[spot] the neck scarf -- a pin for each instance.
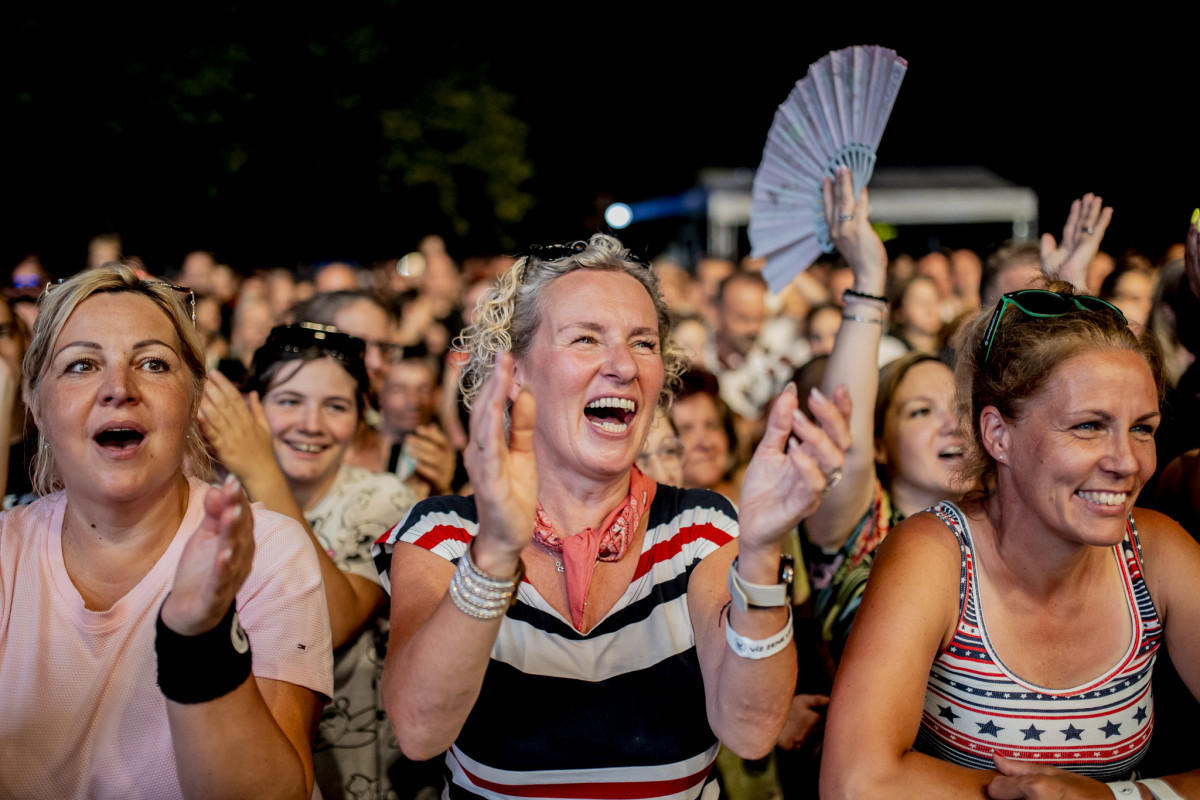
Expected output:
(581, 551)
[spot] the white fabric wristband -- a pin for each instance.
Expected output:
(1160, 789)
(758, 648)
(1123, 790)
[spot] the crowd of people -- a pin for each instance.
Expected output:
(565, 524)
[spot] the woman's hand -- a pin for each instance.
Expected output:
(1085, 227)
(851, 232)
(503, 471)
(1022, 779)
(790, 469)
(236, 428)
(214, 564)
(805, 719)
(435, 459)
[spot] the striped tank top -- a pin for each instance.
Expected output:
(617, 712)
(976, 707)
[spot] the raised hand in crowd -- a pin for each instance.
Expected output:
(1069, 259)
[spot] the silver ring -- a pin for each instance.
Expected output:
(1089, 230)
(832, 479)
(846, 218)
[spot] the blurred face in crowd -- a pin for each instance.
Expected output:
(370, 322)
(936, 267)
(692, 337)
(409, 397)
(822, 331)
(1134, 295)
(705, 443)
(662, 454)
(840, 280)
(740, 316)
(920, 309)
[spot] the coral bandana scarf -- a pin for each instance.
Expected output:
(584, 549)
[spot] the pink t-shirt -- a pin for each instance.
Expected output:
(81, 714)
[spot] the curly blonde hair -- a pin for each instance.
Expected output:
(55, 307)
(1025, 353)
(508, 316)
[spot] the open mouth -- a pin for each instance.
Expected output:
(611, 414)
(119, 438)
(1104, 498)
(951, 453)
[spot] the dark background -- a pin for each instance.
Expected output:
(277, 137)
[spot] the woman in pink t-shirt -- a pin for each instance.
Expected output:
(130, 572)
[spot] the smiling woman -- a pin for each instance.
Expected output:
(1017, 631)
(135, 571)
(571, 576)
(288, 451)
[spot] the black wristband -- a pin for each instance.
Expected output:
(196, 669)
(864, 296)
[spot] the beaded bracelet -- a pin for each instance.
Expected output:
(480, 595)
(196, 669)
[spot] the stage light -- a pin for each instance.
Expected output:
(618, 216)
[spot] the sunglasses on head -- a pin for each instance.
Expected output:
(304, 336)
(1043, 304)
(553, 252)
(183, 291)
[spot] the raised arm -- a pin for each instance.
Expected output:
(241, 438)
(748, 697)
(254, 741)
(907, 616)
(854, 360)
(438, 653)
(1070, 258)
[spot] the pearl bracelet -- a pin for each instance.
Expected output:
(744, 647)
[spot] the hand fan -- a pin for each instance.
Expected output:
(834, 116)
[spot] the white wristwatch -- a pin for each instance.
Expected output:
(757, 595)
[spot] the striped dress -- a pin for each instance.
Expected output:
(618, 712)
(975, 706)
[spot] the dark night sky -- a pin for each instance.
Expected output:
(631, 108)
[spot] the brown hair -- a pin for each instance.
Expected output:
(1025, 352)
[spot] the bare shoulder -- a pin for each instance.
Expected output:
(1170, 558)
(924, 542)
(913, 591)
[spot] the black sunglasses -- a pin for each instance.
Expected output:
(553, 252)
(1043, 304)
(301, 337)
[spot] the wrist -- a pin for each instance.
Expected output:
(759, 563)
(499, 562)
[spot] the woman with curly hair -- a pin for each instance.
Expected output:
(570, 625)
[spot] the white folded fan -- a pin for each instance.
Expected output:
(834, 117)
